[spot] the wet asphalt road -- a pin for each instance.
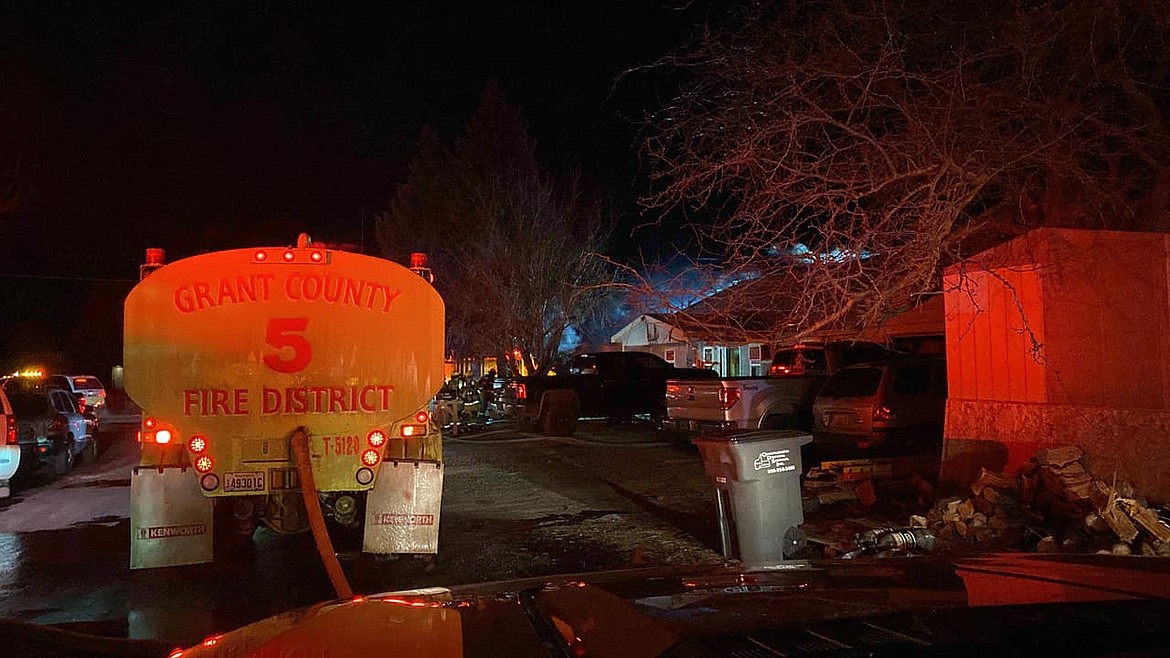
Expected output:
(513, 506)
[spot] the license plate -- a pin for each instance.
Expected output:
(252, 481)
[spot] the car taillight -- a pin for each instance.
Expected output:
(728, 397)
(884, 412)
(163, 436)
(10, 421)
(422, 417)
(521, 391)
(149, 423)
(81, 403)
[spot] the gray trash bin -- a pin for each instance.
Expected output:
(757, 480)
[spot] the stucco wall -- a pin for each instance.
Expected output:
(1134, 444)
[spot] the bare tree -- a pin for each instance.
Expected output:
(514, 247)
(841, 152)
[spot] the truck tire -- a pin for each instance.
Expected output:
(90, 454)
(559, 414)
(779, 422)
(64, 461)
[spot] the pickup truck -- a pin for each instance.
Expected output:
(782, 399)
(613, 385)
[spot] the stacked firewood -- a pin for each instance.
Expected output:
(993, 515)
(1053, 504)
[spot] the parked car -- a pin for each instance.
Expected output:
(82, 426)
(42, 433)
(9, 445)
(782, 399)
(884, 408)
(87, 388)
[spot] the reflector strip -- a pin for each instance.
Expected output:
(364, 476)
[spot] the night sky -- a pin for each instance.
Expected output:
(211, 126)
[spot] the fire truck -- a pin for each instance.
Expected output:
(288, 386)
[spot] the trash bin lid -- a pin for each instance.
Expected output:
(750, 436)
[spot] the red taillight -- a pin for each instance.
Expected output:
(370, 457)
(81, 404)
(197, 444)
(521, 391)
(422, 417)
(149, 423)
(673, 389)
(261, 255)
(728, 397)
(10, 421)
(204, 464)
(163, 436)
(316, 256)
(884, 413)
(289, 256)
(376, 438)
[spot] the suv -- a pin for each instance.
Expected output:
(86, 388)
(9, 445)
(52, 413)
(884, 408)
(42, 432)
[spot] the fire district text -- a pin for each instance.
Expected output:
(292, 400)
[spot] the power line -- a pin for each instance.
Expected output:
(51, 277)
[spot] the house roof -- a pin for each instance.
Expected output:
(754, 310)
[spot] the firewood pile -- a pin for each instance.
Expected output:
(1054, 503)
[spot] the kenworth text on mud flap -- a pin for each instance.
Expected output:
(285, 386)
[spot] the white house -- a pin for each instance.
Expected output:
(666, 336)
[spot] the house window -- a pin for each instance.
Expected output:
(669, 356)
(754, 353)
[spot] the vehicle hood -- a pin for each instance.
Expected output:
(792, 608)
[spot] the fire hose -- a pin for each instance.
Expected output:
(300, 446)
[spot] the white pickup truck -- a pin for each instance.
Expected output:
(782, 399)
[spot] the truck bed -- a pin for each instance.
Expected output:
(741, 402)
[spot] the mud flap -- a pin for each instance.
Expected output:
(402, 510)
(170, 519)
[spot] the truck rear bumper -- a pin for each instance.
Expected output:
(687, 425)
(887, 442)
